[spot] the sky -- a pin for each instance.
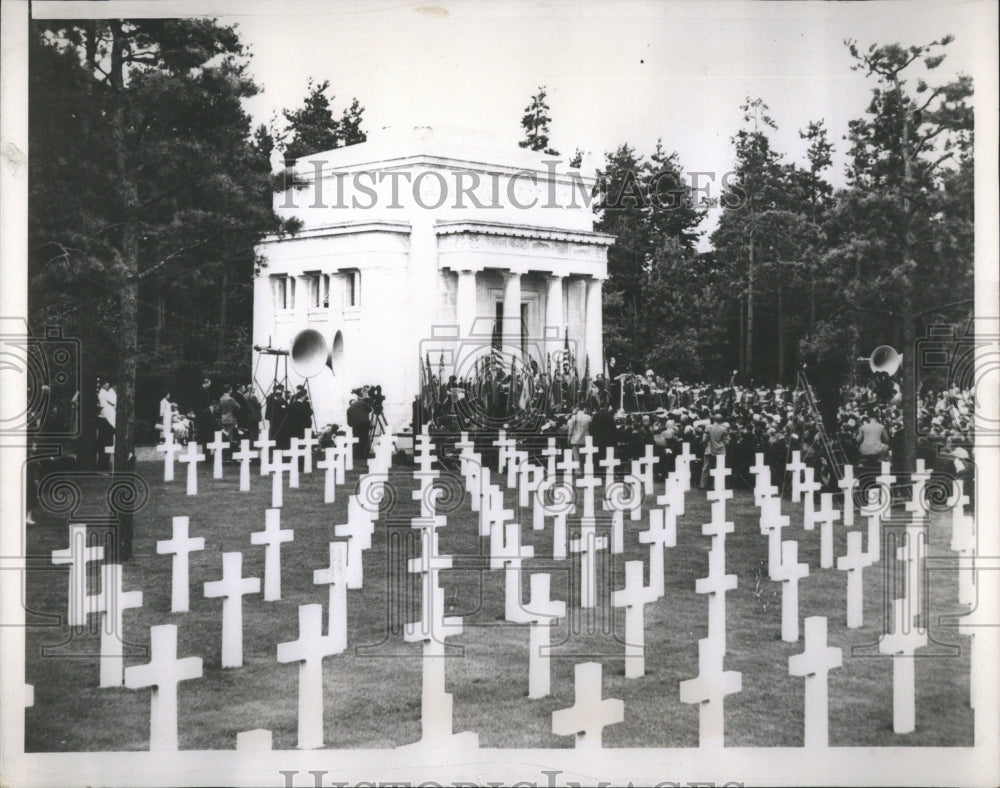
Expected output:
(615, 72)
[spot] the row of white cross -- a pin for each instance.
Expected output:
(337, 459)
(590, 713)
(165, 670)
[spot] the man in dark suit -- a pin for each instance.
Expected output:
(358, 419)
(276, 414)
(603, 429)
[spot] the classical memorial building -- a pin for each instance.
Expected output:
(422, 245)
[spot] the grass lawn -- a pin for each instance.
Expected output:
(372, 691)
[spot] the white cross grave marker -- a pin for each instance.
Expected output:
(264, 445)
(271, 537)
(826, 517)
(541, 613)
(78, 555)
(358, 531)
(558, 510)
(232, 588)
(771, 523)
(293, 454)
(762, 480)
(646, 463)
(920, 477)
(244, 457)
(634, 598)
(589, 714)
(683, 466)
(329, 465)
(435, 704)
(609, 463)
(217, 447)
(192, 458)
(180, 545)
(673, 494)
(848, 484)
(567, 466)
(115, 602)
(308, 443)
(854, 563)
(815, 663)
(278, 469)
(163, 673)
(789, 574)
(309, 650)
(588, 484)
(507, 553)
(874, 545)
(550, 454)
(716, 585)
(809, 487)
(587, 545)
(795, 467)
(335, 576)
(912, 554)
(529, 477)
(349, 440)
(587, 451)
(901, 643)
(170, 450)
(719, 474)
(709, 690)
(662, 533)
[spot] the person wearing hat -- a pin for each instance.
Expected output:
(275, 411)
(299, 413)
(358, 419)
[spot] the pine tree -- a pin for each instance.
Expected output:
(145, 188)
(535, 123)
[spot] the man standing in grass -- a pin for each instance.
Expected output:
(716, 437)
(578, 428)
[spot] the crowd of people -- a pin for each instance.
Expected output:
(236, 412)
(739, 421)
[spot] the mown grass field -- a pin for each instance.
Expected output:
(372, 691)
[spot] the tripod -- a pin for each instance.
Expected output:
(377, 425)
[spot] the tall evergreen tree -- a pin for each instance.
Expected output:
(313, 128)
(535, 123)
(144, 183)
(904, 225)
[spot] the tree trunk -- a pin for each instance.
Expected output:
(749, 351)
(781, 333)
(909, 391)
(742, 350)
(128, 295)
(158, 330)
(812, 303)
(909, 328)
(223, 304)
(86, 446)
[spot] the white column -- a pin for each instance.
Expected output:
(594, 334)
(554, 319)
(465, 316)
(512, 313)
(465, 302)
(299, 290)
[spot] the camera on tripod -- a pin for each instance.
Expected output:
(376, 399)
